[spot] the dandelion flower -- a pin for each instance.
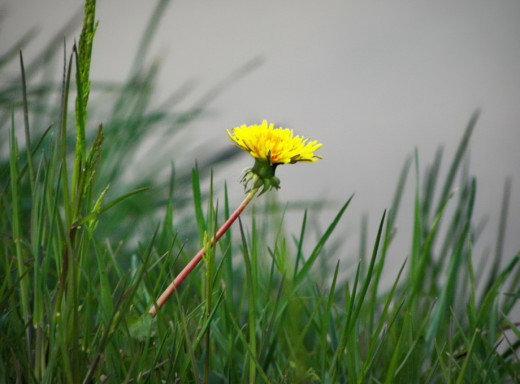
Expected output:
(271, 147)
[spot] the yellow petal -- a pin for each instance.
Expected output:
(277, 145)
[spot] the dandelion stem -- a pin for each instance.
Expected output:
(198, 257)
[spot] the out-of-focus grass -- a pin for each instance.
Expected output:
(84, 254)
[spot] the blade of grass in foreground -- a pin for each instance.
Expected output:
(303, 273)
(17, 234)
(390, 232)
(461, 150)
(120, 310)
(500, 236)
(355, 303)
(197, 201)
(251, 289)
(447, 295)
(327, 318)
(376, 336)
(26, 124)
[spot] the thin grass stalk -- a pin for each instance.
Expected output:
(210, 262)
(62, 160)
(417, 225)
(500, 235)
(447, 295)
(317, 249)
(370, 271)
(28, 145)
(145, 42)
(350, 299)
(395, 359)
(461, 150)
(299, 254)
(39, 274)
(327, 320)
(249, 351)
(251, 310)
(383, 322)
(266, 351)
(430, 182)
(14, 163)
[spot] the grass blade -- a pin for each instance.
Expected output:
(316, 251)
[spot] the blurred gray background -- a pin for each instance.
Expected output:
(371, 80)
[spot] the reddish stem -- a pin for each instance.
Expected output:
(198, 257)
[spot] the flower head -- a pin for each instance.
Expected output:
(271, 147)
(276, 145)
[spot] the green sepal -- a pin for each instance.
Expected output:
(261, 176)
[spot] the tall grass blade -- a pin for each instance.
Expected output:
(17, 234)
(197, 201)
(316, 251)
(28, 145)
(461, 150)
(252, 296)
(499, 249)
(447, 296)
(146, 38)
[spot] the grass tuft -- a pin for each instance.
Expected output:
(84, 253)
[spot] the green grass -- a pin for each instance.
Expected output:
(84, 254)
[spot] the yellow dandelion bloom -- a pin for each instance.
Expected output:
(271, 147)
(276, 145)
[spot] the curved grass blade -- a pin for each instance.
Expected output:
(316, 251)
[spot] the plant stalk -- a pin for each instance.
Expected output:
(198, 257)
